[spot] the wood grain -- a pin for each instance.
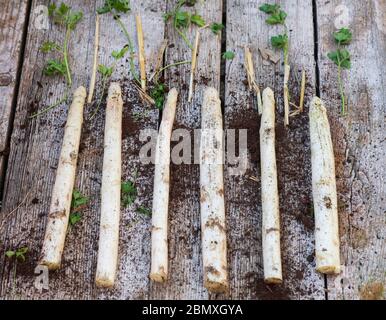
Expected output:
(359, 142)
(13, 18)
(34, 153)
(186, 274)
(246, 26)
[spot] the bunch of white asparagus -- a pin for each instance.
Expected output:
(323, 186)
(213, 228)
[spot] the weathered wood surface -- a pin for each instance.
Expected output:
(12, 21)
(246, 26)
(185, 269)
(359, 140)
(359, 145)
(35, 148)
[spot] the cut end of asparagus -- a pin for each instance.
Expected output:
(159, 276)
(216, 287)
(273, 281)
(329, 270)
(51, 265)
(104, 282)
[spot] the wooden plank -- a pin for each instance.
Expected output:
(13, 17)
(186, 274)
(246, 26)
(359, 140)
(34, 153)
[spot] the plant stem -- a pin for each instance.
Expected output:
(184, 37)
(131, 48)
(50, 107)
(170, 66)
(180, 32)
(104, 82)
(65, 56)
(341, 89)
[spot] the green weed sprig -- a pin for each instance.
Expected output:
(78, 203)
(117, 7)
(278, 17)
(342, 58)
(66, 17)
(182, 20)
(106, 73)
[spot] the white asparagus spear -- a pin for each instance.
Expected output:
(324, 191)
(213, 231)
(64, 183)
(111, 190)
(159, 234)
(269, 192)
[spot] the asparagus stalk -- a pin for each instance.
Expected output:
(214, 243)
(159, 252)
(111, 190)
(324, 191)
(269, 192)
(64, 183)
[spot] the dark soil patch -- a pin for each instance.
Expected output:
(250, 120)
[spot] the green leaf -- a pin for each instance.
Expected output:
(78, 200)
(158, 95)
(341, 58)
(18, 254)
(216, 27)
(280, 41)
(144, 211)
(228, 55)
(198, 20)
(10, 253)
(128, 193)
(270, 8)
(54, 67)
(63, 10)
(51, 9)
(182, 19)
(75, 217)
(117, 55)
(73, 19)
(120, 6)
(21, 252)
(277, 18)
(105, 71)
(49, 46)
(64, 16)
(343, 36)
